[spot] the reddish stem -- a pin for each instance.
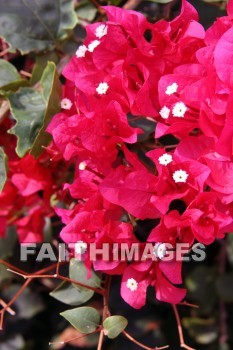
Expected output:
(180, 330)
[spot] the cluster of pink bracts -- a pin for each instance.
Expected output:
(182, 78)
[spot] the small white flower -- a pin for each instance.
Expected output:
(93, 45)
(165, 159)
(102, 88)
(171, 89)
(82, 166)
(160, 250)
(179, 110)
(80, 247)
(101, 31)
(66, 103)
(81, 52)
(180, 176)
(164, 112)
(132, 284)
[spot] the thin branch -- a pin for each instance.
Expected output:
(57, 276)
(74, 338)
(185, 303)
(17, 295)
(96, 290)
(105, 310)
(38, 274)
(59, 261)
(101, 339)
(180, 330)
(142, 345)
(8, 309)
(22, 288)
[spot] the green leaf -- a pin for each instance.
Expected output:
(8, 73)
(84, 319)
(114, 325)
(3, 168)
(10, 79)
(68, 294)
(40, 65)
(35, 25)
(86, 10)
(78, 272)
(68, 18)
(33, 110)
(27, 107)
(51, 92)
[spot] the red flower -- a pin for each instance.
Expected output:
(138, 276)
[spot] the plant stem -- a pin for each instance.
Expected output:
(180, 330)
(105, 309)
(142, 345)
(38, 274)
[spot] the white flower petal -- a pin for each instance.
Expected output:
(164, 112)
(102, 88)
(132, 284)
(171, 89)
(165, 159)
(180, 176)
(93, 45)
(160, 250)
(82, 166)
(101, 31)
(66, 103)
(81, 52)
(179, 110)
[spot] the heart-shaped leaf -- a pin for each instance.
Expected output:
(114, 325)
(78, 272)
(68, 294)
(84, 319)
